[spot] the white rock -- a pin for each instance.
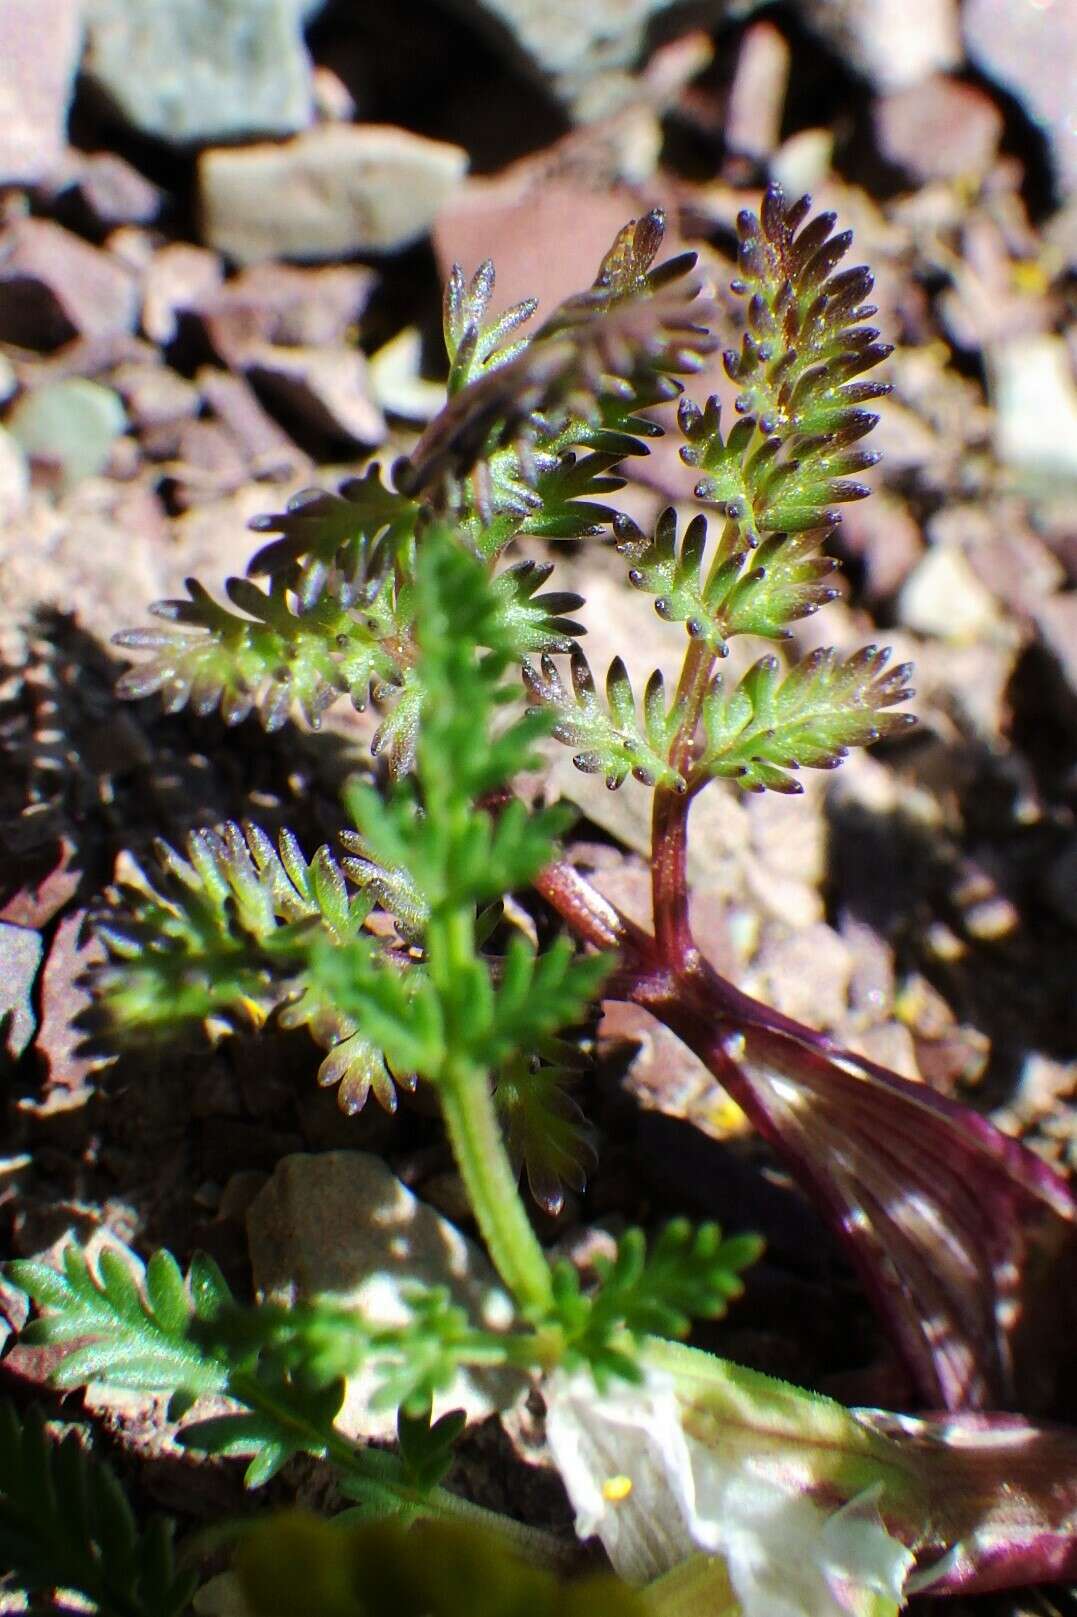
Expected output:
(341, 1222)
(396, 379)
(573, 39)
(39, 54)
(942, 596)
(892, 42)
(804, 160)
(14, 478)
(1035, 398)
(332, 191)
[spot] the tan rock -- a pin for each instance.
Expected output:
(180, 277)
(341, 1222)
(942, 596)
(332, 191)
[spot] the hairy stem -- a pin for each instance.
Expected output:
(669, 818)
(475, 1136)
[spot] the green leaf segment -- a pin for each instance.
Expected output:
(65, 1524)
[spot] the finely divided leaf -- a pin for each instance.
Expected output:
(125, 1333)
(766, 727)
(614, 740)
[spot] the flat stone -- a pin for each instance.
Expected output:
(891, 42)
(753, 122)
(1016, 566)
(885, 537)
(806, 975)
(39, 55)
(190, 71)
(340, 1222)
(872, 975)
(891, 1045)
(573, 40)
(804, 161)
(332, 191)
(269, 450)
(396, 381)
(155, 395)
(663, 1072)
(939, 129)
(327, 388)
(55, 286)
(505, 216)
(211, 462)
(281, 303)
(1031, 49)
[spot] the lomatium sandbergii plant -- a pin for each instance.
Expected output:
(712, 1488)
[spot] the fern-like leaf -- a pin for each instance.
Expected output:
(531, 622)
(767, 727)
(744, 591)
(272, 659)
(544, 1128)
(793, 455)
(223, 934)
(806, 339)
(600, 358)
(473, 343)
(427, 1448)
(355, 533)
(689, 1272)
(65, 1523)
(127, 1330)
(614, 741)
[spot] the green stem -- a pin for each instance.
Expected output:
(492, 1188)
(378, 1470)
(472, 1123)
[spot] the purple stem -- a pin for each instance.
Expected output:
(933, 1203)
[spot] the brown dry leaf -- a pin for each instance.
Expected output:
(72, 951)
(38, 885)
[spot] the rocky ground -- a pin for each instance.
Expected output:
(220, 255)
